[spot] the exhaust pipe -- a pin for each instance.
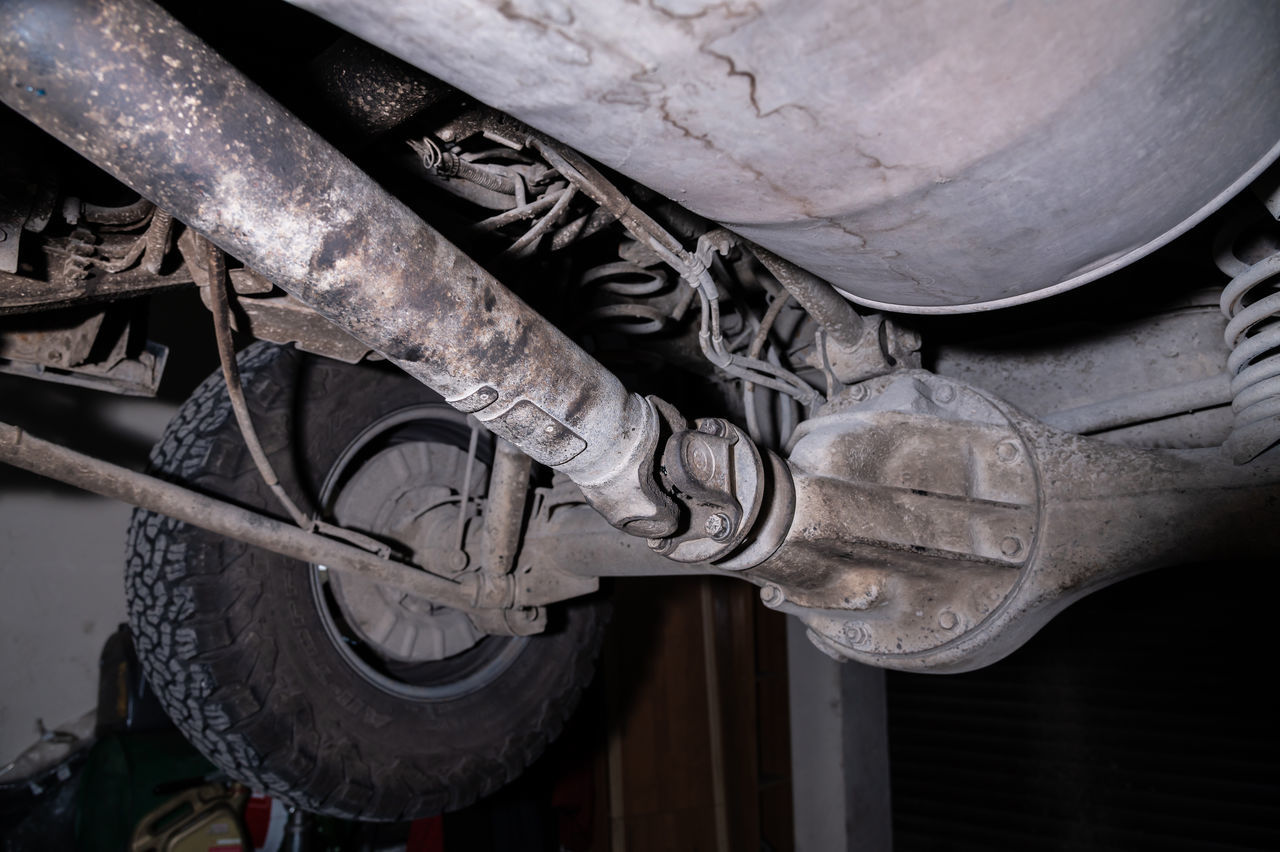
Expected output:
(127, 86)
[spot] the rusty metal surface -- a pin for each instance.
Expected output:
(283, 319)
(371, 91)
(937, 157)
(38, 456)
(938, 529)
(24, 294)
(17, 193)
(128, 87)
(97, 348)
(505, 507)
(136, 375)
(1130, 380)
(61, 340)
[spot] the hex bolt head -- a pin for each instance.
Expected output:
(948, 620)
(944, 394)
(1007, 451)
(718, 526)
(858, 393)
(712, 426)
(856, 634)
(771, 595)
(1011, 546)
(659, 545)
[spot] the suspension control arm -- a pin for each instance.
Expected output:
(65, 465)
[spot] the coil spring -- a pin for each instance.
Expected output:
(1251, 302)
(81, 248)
(631, 281)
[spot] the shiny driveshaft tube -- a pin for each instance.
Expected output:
(132, 90)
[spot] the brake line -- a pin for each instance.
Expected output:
(215, 266)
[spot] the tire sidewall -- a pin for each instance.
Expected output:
(265, 693)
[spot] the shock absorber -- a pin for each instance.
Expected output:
(1251, 302)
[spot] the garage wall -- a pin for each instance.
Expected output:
(62, 555)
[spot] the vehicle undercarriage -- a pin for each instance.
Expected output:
(606, 383)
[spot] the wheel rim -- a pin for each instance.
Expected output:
(347, 625)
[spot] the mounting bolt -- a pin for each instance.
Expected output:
(659, 545)
(1011, 546)
(858, 393)
(712, 426)
(1007, 451)
(718, 526)
(948, 620)
(856, 634)
(771, 595)
(944, 394)
(909, 339)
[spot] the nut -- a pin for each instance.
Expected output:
(660, 545)
(771, 595)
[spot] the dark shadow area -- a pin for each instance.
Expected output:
(1141, 718)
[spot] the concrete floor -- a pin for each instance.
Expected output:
(62, 555)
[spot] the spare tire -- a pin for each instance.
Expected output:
(297, 686)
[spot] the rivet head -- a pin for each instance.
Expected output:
(1010, 546)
